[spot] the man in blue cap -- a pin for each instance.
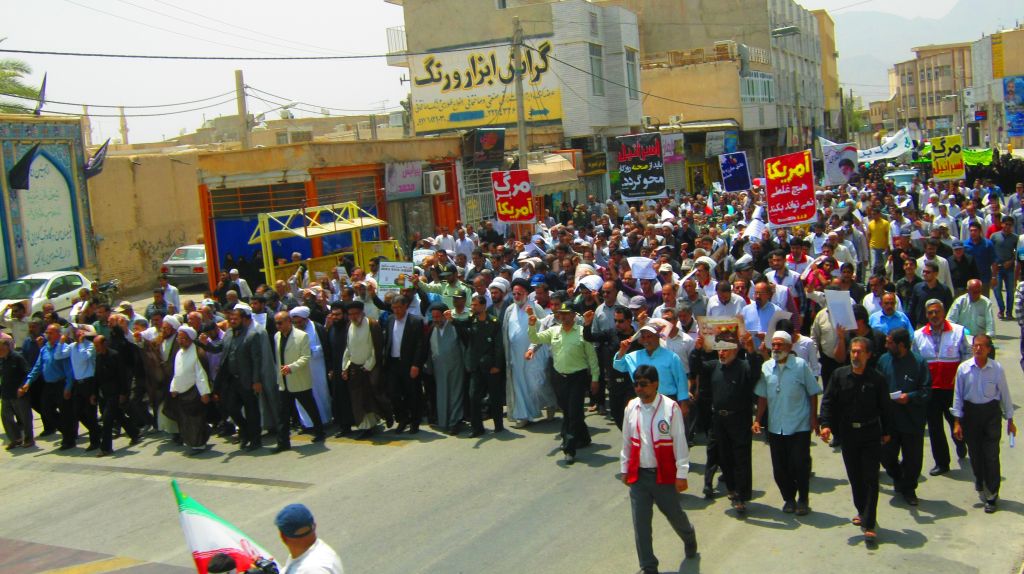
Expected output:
(306, 553)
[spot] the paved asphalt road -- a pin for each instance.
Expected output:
(497, 504)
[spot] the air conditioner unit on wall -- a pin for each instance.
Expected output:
(675, 119)
(434, 183)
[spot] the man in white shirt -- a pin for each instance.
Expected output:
(171, 295)
(464, 245)
(655, 472)
(445, 240)
(244, 291)
(306, 553)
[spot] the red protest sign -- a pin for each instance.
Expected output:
(790, 189)
(513, 196)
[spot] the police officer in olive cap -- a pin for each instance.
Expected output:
(306, 553)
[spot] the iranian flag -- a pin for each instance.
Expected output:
(709, 209)
(208, 535)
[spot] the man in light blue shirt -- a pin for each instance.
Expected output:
(671, 371)
(788, 391)
(80, 401)
(980, 399)
(757, 315)
(57, 382)
(888, 318)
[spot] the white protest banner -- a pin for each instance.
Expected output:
(896, 146)
(840, 308)
(394, 274)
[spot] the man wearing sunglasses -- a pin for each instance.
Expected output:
(927, 290)
(654, 461)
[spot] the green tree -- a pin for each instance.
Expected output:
(12, 75)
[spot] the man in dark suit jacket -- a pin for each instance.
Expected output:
(404, 356)
(240, 378)
(337, 339)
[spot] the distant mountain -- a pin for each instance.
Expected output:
(869, 43)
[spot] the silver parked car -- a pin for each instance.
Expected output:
(187, 265)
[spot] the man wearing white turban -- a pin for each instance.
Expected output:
(318, 367)
(189, 393)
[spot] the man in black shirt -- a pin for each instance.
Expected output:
(620, 385)
(926, 291)
(730, 380)
(905, 285)
(855, 404)
(961, 268)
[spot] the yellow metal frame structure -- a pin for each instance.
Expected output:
(311, 223)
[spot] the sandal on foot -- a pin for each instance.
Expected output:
(855, 520)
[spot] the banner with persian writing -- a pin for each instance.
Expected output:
(894, 147)
(474, 87)
(790, 189)
(513, 196)
(403, 180)
(641, 168)
(735, 173)
(947, 158)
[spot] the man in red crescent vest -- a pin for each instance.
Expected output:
(654, 462)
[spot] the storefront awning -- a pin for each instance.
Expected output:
(699, 127)
(552, 174)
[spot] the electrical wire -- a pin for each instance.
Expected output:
(258, 32)
(91, 115)
(155, 27)
(568, 86)
(49, 101)
(614, 83)
(247, 58)
(203, 26)
(290, 100)
(293, 105)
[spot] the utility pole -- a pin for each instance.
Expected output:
(124, 127)
(842, 118)
(243, 113)
(517, 63)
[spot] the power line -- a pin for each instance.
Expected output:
(155, 27)
(91, 115)
(294, 106)
(49, 101)
(290, 100)
(203, 26)
(247, 58)
(233, 25)
(614, 83)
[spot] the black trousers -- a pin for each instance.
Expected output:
(113, 415)
(791, 464)
(571, 390)
(938, 410)
(906, 472)
(732, 438)
(244, 407)
(982, 425)
(406, 393)
(304, 398)
(862, 450)
(79, 409)
(492, 386)
(620, 392)
(341, 403)
(51, 402)
(828, 366)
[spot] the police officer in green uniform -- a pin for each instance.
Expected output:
(485, 357)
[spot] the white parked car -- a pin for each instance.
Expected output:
(187, 265)
(58, 287)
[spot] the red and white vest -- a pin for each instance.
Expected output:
(944, 360)
(661, 436)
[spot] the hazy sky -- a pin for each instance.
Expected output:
(257, 28)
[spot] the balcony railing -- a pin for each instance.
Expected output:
(396, 40)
